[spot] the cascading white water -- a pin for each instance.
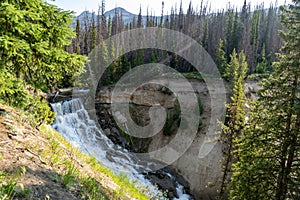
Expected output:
(74, 123)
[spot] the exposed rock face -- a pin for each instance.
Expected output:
(251, 89)
(66, 94)
(202, 173)
(146, 95)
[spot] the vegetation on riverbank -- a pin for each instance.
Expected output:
(40, 163)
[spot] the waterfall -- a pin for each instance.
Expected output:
(74, 123)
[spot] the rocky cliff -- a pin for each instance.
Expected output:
(202, 173)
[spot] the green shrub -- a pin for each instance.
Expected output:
(13, 92)
(39, 110)
(193, 75)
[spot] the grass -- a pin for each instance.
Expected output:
(10, 186)
(91, 190)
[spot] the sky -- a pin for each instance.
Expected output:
(153, 5)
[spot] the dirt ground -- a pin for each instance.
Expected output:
(21, 157)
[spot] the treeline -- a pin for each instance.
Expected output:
(262, 139)
(255, 32)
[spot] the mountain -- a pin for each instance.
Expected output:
(126, 16)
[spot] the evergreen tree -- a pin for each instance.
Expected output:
(239, 29)
(103, 60)
(262, 67)
(268, 37)
(125, 64)
(98, 24)
(180, 23)
(93, 37)
(109, 27)
(235, 115)
(205, 41)
(162, 14)
(78, 35)
(34, 36)
(254, 40)
(221, 61)
(104, 31)
(269, 148)
(112, 70)
(148, 20)
(236, 33)
(228, 33)
(234, 63)
(139, 20)
(86, 37)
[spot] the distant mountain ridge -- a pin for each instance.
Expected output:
(127, 17)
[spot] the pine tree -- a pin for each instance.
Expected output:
(269, 148)
(104, 31)
(221, 61)
(228, 32)
(34, 36)
(111, 71)
(148, 19)
(139, 20)
(126, 66)
(103, 60)
(109, 27)
(254, 40)
(229, 70)
(86, 37)
(235, 115)
(93, 36)
(78, 35)
(205, 41)
(269, 31)
(239, 29)
(180, 23)
(162, 14)
(236, 33)
(263, 66)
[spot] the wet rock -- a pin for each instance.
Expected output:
(163, 182)
(167, 179)
(183, 182)
(179, 178)
(171, 195)
(65, 94)
(115, 131)
(107, 132)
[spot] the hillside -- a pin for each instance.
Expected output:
(127, 17)
(41, 164)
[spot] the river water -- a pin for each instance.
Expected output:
(74, 123)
